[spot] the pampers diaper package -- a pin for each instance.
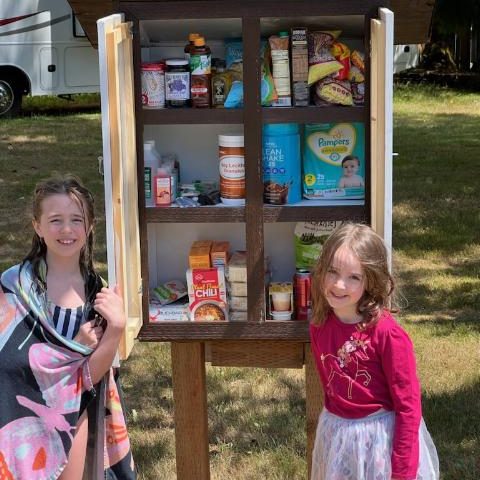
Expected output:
(334, 161)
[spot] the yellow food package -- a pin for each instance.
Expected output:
(358, 59)
(321, 62)
(355, 75)
(332, 90)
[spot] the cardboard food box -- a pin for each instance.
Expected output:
(199, 256)
(219, 253)
(207, 294)
(299, 55)
(172, 312)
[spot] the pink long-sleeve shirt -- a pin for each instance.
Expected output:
(363, 371)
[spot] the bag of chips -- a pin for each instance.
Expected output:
(358, 59)
(334, 91)
(342, 54)
(321, 62)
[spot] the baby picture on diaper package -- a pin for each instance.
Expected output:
(334, 161)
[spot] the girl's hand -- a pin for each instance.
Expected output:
(109, 304)
(89, 334)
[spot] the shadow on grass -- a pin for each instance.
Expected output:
(453, 419)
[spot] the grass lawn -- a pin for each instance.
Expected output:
(256, 417)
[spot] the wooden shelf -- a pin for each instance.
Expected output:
(195, 214)
(312, 114)
(184, 116)
(292, 330)
(354, 213)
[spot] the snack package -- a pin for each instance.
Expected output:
(358, 93)
(356, 75)
(342, 54)
(358, 59)
(333, 91)
(169, 292)
(321, 62)
(234, 62)
(309, 238)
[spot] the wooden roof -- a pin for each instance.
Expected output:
(412, 18)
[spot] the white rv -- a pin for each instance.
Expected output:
(43, 51)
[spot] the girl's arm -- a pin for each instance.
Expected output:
(109, 305)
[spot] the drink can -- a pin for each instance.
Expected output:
(302, 282)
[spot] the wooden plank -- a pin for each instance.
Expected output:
(190, 397)
(314, 402)
(295, 331)
(265, 354)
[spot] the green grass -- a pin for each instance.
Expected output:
(256, 417)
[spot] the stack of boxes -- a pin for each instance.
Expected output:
(237, 285)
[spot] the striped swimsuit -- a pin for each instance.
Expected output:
(67, 321)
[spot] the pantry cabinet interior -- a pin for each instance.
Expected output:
(161, 27)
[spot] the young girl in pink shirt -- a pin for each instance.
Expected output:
(371, 427)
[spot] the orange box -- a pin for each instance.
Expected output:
(219, 253)
(199, 257)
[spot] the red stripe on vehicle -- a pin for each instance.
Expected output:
(6, 21)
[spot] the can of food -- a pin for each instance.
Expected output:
(302, 282)
(153, 85)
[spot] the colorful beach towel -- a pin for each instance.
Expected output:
(45, 386)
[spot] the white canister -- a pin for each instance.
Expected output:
(153, 85)
(232, 169)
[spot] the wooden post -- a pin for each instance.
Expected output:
(191, 424)
(314, 402)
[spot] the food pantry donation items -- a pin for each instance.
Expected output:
(231, 169)
(234, 62)
(299, 56)
(280, 300)
(207, 294)
(169, 302)
(334, 161)
(309, 238)
(153, 85)
(281, 163)
(279, 47)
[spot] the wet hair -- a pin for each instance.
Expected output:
(372, 254)
(350, 157)
(65, 185)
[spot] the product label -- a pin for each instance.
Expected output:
(177, 86)
(232, 176)
(200, 64)
(153, 89)
(148, 182)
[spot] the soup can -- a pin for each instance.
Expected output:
(153, 85)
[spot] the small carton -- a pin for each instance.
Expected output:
(237, 267)
(299, 55)
(199, 255)
(238, 304)
(207, 294)
(219, 254)
(173, 312)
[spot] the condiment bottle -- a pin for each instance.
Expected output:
(221, 82)
(190, 44)
(200, 71)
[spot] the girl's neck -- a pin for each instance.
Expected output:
(63, 267)
(348, 318)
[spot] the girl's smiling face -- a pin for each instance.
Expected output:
(344, 285)
(62, 226)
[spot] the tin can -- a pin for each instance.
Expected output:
(153, 85)
(302, 282)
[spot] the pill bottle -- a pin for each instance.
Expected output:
(232, 169)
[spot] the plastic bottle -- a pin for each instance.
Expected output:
(221, 82)
(190, 44)
(281, 163)
(163, 187)
(151, 161)
(232, 169)
(201, 72)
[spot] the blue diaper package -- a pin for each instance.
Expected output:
(334, 161)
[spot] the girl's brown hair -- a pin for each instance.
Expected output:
(66, 185)
(370, 250)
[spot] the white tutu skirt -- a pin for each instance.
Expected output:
(361, 449)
